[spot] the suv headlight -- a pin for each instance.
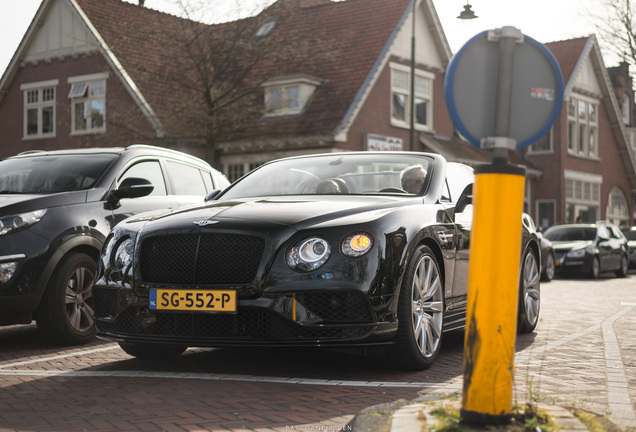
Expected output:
(12, 223)
(308, 254)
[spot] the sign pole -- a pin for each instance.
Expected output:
(503, 91)
(493, 276)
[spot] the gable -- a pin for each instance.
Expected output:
(61, 34)
(427, 47)
(586, 80)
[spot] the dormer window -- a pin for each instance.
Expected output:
(287, 96)
(265, 28)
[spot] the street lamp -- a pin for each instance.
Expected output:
(467, 13)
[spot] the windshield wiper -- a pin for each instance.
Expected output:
(6, 191)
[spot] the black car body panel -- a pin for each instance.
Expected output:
(630, 234)
(75, 220)
(247, 244)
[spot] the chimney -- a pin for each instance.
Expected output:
(141, 2)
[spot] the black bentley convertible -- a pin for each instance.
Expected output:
(334, 250)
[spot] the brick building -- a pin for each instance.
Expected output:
(586, 161)
(80, 78)
(113, 73)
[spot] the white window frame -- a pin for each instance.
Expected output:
(83, 92)
(405, 93)
(547, 137)
(42, 89)
(580, 119)
(617, 200)
(585, 190)
(288, 96)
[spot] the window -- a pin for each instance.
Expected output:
(234, 172)
(265, 28)
(546, 213)
(617, 210)
(583, 127)
(88, 103)
(187, 179)
(288, 95)
(401, 106)
(582, 197)
(39, 109)
(543, 145)
(151, 171)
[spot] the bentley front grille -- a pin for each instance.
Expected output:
(201, 259)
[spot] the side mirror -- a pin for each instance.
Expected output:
(465, 199)
(133, 187)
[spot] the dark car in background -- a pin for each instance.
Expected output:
(340, 250)
(589, 249)
(56, 209)
(630, 235)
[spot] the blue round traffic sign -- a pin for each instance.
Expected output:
(473, 81)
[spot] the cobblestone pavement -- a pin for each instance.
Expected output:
(582, 355)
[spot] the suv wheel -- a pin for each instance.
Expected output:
(65, 314)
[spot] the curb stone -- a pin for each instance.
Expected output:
(411, 416)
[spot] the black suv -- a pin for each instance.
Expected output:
(56, 209)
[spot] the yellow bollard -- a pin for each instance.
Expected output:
(493, 280)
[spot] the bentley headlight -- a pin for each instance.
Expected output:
(123, 254)
(357, 244)
(20, 221)
(308, 254)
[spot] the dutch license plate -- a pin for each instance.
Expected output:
(193, 300)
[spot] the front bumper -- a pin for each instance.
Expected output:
(277, 320)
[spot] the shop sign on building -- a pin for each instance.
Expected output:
(382, 143)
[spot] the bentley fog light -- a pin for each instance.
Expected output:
(355, 245)
(7, 270)
(19, 221)
(123, 254)
(308, 254)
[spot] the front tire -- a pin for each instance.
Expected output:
(529, 293)
(420, 312)
(550, 268)
(65, 313)
(595, 268)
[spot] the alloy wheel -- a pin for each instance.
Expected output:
(79, 289)
(531, 290)
(427, 306)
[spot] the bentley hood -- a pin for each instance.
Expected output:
(289, 211)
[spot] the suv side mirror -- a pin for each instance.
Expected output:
(133, 187)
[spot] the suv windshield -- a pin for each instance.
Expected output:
(52, 174)
(338, 174)
(570, 233)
